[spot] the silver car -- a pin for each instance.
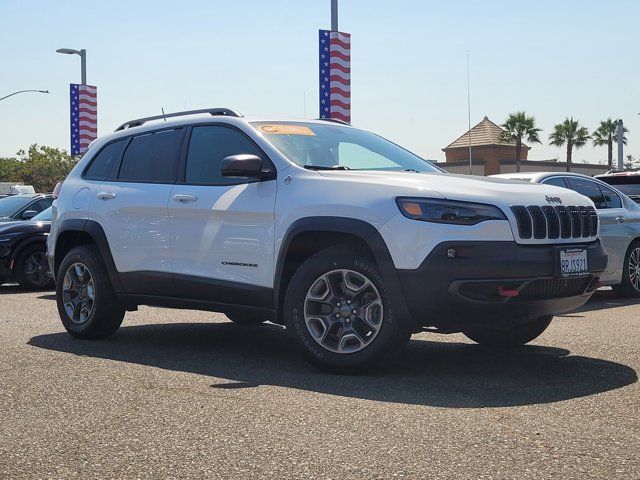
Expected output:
(619, 225)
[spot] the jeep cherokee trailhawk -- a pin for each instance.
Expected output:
(350, 241)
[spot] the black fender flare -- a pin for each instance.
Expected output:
(95, 231)
(369, 235)
(37, 238)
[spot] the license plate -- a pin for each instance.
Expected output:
(573, 262)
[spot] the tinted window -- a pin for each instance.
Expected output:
(44, 216)
(589, 189)
(38, 206)
(612, 198)
(152, 157)
(208, 146)
(557, 181)
(103, 162)
(9, 206)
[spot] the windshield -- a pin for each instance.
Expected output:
(319, 146)
(10, 205)
(43, 216)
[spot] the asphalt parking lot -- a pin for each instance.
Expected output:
(182, 394)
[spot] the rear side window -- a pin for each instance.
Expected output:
(102, 164)
(151, 158)
(589, 189)
(557, 181)
(612, 198)
(208, 146)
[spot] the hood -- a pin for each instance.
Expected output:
(495, 191)
(24, 227)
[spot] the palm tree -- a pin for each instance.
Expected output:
(606, 135)
(516, 127)
(571, 134)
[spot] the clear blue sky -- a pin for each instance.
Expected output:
(550, 58)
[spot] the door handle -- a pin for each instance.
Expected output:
(184, 198)
(620, 219)
(106, 195)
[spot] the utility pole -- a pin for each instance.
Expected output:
(334, 15)
(620, 140)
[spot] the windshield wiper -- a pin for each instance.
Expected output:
(322, 167)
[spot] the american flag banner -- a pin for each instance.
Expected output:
(84, 117)
(335, 75)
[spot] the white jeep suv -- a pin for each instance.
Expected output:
(350, 241)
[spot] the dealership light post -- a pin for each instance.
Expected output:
(620, 141)
(83, 60)
(23, 91)
(334, 15)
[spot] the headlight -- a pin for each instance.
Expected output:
(448, 211)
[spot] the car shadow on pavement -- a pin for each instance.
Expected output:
(603, 299)
(439, 374)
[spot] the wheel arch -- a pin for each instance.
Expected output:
(27, 242)
(74, 232)
(309, 235)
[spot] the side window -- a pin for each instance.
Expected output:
(556, 181)
(101, 165)
(37, 206)
(612, 198)
(152, 157)
(208, 145)
(589, 189)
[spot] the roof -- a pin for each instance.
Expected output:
(484, 133)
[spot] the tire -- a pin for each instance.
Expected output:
(630, 285)
(512, 337)
(83, 281)
(341, 341)
(246, 319)
(32, 268)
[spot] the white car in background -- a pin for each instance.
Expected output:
(619, 225)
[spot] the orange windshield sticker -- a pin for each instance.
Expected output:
(286, 130)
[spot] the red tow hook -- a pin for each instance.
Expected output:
(508, 292)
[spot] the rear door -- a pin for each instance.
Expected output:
(222, 227)
(612, 215)
(131, 207)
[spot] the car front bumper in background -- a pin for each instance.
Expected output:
(469, 283)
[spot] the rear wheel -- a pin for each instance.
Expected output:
(32, 268)
(630, 285)
(339, 313)
(512, 337)
(87, 304)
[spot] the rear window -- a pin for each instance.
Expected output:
(629, 185)
(102, 164)
(152, 157)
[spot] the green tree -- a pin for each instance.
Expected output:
(630, 164)
(571, 134)
(39, 166)
(605, 134)
(518, 126)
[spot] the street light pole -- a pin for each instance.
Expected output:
(620, 140)
(334, 15)
(24, 91)
(83, 61)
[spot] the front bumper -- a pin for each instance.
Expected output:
(503, 283)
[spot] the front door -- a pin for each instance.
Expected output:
(222, 227)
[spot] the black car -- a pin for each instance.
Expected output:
(23, 246)
(23, 207)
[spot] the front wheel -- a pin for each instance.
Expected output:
(630, 285)
(511, 337)
(32, 268)
(339, 313)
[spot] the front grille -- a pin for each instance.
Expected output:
(556, 288)
(555, 221)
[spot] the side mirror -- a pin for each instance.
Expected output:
(28, 214)
(242, 165)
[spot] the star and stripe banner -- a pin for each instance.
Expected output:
(84, 116)
(335, 75)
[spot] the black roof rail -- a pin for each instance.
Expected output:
(227, 112)
(334, 120)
